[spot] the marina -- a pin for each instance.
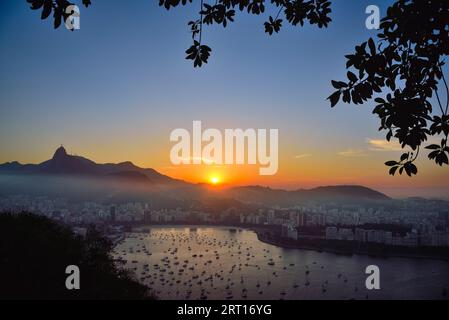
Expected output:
(223, 263)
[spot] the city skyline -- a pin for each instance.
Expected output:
(224, 155)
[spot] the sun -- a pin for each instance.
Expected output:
(214, 180)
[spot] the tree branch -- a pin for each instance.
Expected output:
(201, 22)
(447, 92)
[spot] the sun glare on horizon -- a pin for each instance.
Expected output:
(214, 180)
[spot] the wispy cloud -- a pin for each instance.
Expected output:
(201, 159)
(383, 145)
(352, 153)
(301, 156)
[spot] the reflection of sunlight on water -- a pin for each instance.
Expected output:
(220, 263)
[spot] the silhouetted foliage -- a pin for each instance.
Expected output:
(35, 251)
(403, 68)
(222, 12)
(57, 7)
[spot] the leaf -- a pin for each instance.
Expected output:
(407, 169)
(268, 28)
(392, 170)
(58, 19)
(36, 4)
(334, 98)
(391, 163)
(338, 84)
(413, 169)
(380, 100)
(273, 25)
(372, 46)
(410, 169)
(441, 159)
(346, 96)
(47, 9)
(352, 76)
(433, 154)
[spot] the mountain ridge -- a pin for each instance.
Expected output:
(63, 164)
(266, 195)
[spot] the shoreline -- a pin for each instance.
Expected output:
(351, 252)
(260, 230)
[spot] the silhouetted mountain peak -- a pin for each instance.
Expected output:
(63, 163)
(127, 165)
(60, 153)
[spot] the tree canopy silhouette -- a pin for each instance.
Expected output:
(222, 12)
(35, 251)
(59, 8)
(401, 69)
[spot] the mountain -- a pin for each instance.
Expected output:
(78, 177)
(268, 196)
(353, 191)
(130, 177)
(64, 164)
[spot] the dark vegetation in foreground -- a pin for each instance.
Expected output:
(34, 254)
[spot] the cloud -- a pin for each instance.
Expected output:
(352, 153)
(383, 145)
(301, 156)
(201, 159)
(374, 145)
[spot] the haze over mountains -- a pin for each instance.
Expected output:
(78, 177)
(64, 164)
(289, 198)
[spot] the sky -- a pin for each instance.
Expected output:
(115, 89)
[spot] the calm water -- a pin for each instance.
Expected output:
(217, 263)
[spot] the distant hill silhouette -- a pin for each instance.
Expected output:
(64, 164)
(268, 196)
(78, 177)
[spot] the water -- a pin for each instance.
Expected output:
(220, 263)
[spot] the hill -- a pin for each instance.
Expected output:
(64, 164)
(268, 196)
(35, 252)
(77, 177)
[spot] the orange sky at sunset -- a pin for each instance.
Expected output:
(129, 97)
(296, 170)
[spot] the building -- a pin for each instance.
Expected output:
(331, 233)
